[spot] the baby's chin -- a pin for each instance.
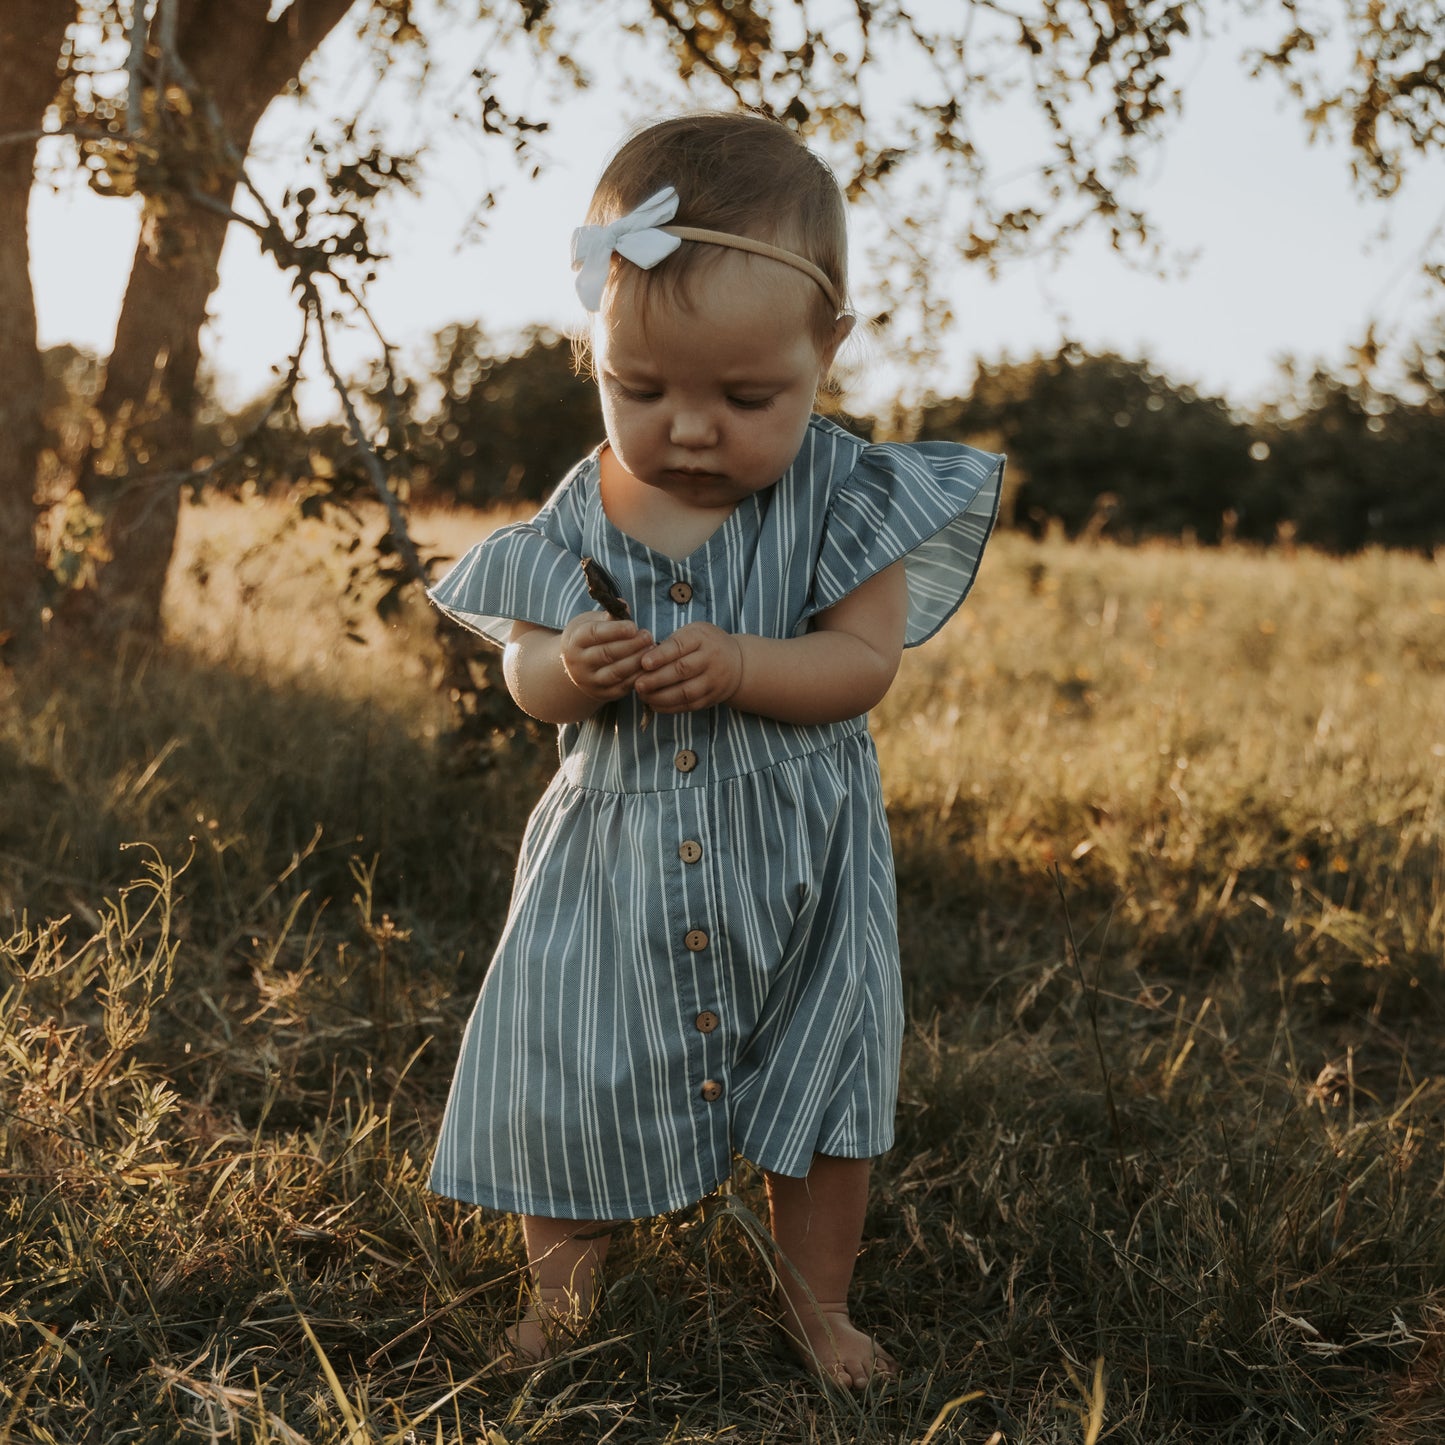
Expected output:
(704, 490)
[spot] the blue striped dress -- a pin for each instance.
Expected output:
(701, 953)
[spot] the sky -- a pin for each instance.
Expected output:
(1272, 252)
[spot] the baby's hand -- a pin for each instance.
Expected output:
(601, 654)
(699, 666)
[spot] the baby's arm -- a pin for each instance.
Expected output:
(841, 668)
(563, 677)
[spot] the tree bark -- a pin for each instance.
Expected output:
(30, 36)
(242, 61)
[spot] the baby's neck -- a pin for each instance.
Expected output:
(665, 523)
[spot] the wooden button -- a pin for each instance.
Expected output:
(690, 851)
(685, 761)
(694, 941)
(706, 1021)
(711, 1090)
(680, 593)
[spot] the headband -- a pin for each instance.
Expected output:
(640, 237)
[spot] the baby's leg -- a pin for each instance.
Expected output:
(818, 1224)
(563, 1258)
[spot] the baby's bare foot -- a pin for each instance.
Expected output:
(834, 1349)
(552, 1320)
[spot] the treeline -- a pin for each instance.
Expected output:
(1105, 444)
(1097, 444)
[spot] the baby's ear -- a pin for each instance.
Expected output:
(842, 330)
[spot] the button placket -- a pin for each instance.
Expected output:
(701, 1020)
(699, 1014)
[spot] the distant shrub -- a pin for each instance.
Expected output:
(1102, 443)
(503, 428)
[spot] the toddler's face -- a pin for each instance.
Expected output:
(710, 403)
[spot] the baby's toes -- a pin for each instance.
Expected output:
(884, 1365)
(870, 1362)
(858, 1358)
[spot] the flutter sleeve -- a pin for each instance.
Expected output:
(932, 504)
(527, 572)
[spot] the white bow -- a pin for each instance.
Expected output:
(633, 236)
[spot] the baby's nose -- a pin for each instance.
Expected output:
(693, 428)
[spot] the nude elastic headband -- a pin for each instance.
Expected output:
(640, 237)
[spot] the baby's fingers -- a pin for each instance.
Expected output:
(590, 629)
(599, 638)
(601, 655)
(678, 697)
(668, 669)
(667, 655)
(622, 649)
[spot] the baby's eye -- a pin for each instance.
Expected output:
(751, 403)
(632, 393)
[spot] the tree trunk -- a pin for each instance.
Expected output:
(30, 36)
(242, 61)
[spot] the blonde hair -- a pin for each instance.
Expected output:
(739, 173)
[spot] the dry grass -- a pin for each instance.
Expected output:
(1169, 830)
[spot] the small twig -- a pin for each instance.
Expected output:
(388, 351)
(164, 25)
(96, 1151)
(375, 470)
(220, 208)
(364, 311)
(134, 64)
(432, 1316)
(76, 132)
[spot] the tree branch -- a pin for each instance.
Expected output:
(375, 469)
(77, 132)
(134, 63)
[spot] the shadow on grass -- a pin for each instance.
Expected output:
(252, 781)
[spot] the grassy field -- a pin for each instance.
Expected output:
(1170, 827)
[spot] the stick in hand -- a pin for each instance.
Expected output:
(603, 591)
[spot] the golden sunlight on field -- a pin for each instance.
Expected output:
(1112, 707)
(256, 585)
